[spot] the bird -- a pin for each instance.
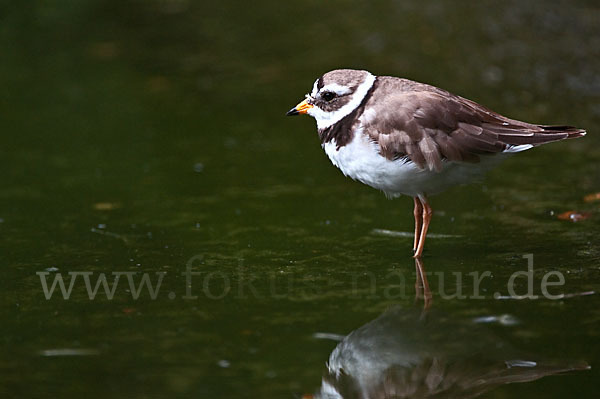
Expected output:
(405, 353)
(409, 138)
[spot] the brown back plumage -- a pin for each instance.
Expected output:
(428, 124)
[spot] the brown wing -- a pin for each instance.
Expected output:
(429, 125)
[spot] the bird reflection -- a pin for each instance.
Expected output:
(422, 290)
(425, 354)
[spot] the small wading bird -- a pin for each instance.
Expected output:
(405, 137)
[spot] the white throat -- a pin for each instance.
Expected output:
(326, 119)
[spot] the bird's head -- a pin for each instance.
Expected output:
(335, 95)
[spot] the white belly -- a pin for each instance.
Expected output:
(360, 160)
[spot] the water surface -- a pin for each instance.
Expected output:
(150, 136)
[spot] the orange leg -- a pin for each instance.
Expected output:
(418, 212)
(427, 214)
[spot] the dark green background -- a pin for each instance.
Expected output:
(172, 113)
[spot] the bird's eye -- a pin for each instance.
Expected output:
(328, 96)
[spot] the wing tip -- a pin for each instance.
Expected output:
(571, 131)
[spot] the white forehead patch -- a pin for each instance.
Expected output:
(315, 89)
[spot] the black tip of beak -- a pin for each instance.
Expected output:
(292, 112)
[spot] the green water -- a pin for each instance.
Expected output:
(144, 136)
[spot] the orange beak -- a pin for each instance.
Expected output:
(301, 108)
